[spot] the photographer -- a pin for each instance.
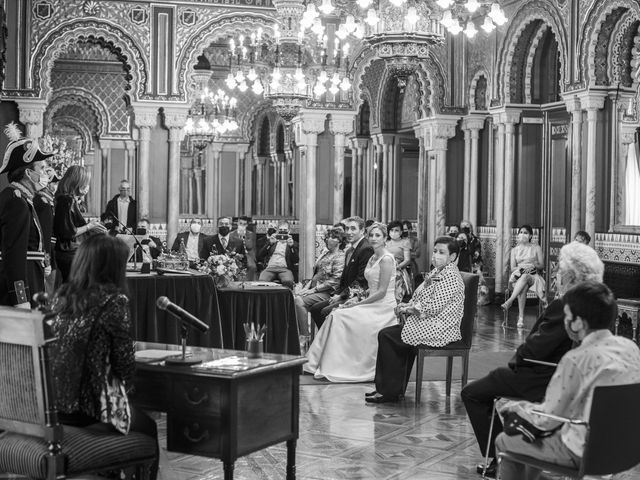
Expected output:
(280, 255)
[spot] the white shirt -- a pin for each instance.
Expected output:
(601, 359)
(123, 209)
(192, 247)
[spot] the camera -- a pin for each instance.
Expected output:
(282, 235)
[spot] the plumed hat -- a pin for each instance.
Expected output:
(20, 151)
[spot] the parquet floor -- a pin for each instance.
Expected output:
(341, 437)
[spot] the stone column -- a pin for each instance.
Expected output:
(248, 181)
(498, 206)
(422, 193)
(627, 139)
(307, 127)
(466, 176)
(473, 123)
(241, 154)
(214, 182)
(592, 103)
(105, 171)
(130, 160)
(146, 119)
(174, 120)
(31, 113)
(260, 163)
(290, 193)
(575, 110)
(340, 126)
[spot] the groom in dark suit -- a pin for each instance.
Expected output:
(356, 258)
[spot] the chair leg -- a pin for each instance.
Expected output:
(419, 368)
(449, 369)
(465, 368)
(486, 453)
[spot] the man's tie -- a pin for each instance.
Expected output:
(348, 256)
(223, 241)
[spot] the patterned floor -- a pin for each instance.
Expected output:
(341, 437)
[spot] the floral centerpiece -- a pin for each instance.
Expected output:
(223, 268)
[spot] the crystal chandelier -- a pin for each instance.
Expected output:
(459, 16)
(211, 116)
(245, 63)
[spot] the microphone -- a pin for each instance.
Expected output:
(163, 303)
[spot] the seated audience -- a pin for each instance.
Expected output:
(197, 245)
(248, 240)
(433, 318)
(526, 261)
(326, 277)
(223, 242)
(582, 237)
(601, 359)
(344, 350)
(547, 342)
(94, 336)
(151, 246)
(464, 257)
(356, 258)
(400, 248)
(280, 257)
(474, 245)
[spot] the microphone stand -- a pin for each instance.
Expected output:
(183, 360)
(137, 242)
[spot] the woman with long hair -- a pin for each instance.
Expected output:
(69, 226)
(94, 336)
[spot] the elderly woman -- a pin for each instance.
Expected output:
(525, 377)
(326, 276)
(526, 261)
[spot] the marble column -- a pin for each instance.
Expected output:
(423, 193)
(473, 123)
(105, 171)
(145, 119)
(275, 191)
(340, 126)
(248, 182)
(130, 156)
(592, 103)
(290, 193)
(214, 181)
(627, 139)
(575, 110)
(173, 182)
(498, 207)
(466, 176)
(31, 114)
(260, 167)
(510, 118)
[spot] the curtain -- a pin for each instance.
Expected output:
(632, 185)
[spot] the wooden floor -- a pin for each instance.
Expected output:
(341, 437)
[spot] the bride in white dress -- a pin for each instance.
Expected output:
(345, 347)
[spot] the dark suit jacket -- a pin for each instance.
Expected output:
(233, 246)
(155, 251)
(205, 243)
(354, 270)
(291, 255)
(132, 215)
(249, 245)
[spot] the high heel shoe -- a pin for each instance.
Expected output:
(505, 313)
(520, 323)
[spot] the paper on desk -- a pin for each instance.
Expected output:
(234, 363)
(156, 355)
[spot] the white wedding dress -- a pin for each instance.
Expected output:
(346, 346)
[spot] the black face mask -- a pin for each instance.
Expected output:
(404, 234)
(462, 244)
(453, 234)
(270, 231)
(223, 231)
(141, 231)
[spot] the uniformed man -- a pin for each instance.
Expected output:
(43, 202)
(22, 255)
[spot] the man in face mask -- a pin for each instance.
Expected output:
(223, 242)
(152, 245)
(195, 244)
(22, 249)
(248, 240)
(525, 377)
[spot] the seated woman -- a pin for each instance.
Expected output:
(94, 337)
(326, 277)
(400, 248)
(526, 261)
(345, 347)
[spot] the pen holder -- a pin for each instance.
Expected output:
(255, 348)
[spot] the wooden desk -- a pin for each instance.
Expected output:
(222, 413)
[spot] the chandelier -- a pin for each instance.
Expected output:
(459, 16)
(212, 115)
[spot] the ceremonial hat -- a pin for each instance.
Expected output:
(20, 151)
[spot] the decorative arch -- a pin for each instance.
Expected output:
(621, 51)
(227, 24)
(535, 42)
(590, 53)
(389, 102)
(535, 11)
(82, 110)
(109, 35)
(263, 135)
(476, 82)
(85, 97)
(81, 128)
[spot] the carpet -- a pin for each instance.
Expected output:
(435, 368)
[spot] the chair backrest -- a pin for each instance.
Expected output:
(26, 390)
(614, 430)
(470, 306)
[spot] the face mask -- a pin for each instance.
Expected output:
(223, 231)
(195, 228)
(440, 260)
(453, 234)
(405, 234)
(242, 228)
(523, 237)
(40, 182)
(141, 231)
(270, 231)
(394, 235)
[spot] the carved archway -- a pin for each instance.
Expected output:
(622, 49)
(537, 13)
(479, 100)
(71, 95)
(82, 130)
(107, 35)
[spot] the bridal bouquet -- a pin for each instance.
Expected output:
(222, 268)
(356, 294)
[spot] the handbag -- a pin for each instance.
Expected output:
(114, 403)
(514, 424)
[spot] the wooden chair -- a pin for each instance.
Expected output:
(34, 444)
(612, 435)
(455, 349)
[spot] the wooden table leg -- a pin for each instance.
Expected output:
(291, 459)
(228, 470)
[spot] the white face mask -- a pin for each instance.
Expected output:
(523, 238)
(41, 182)
(195, 228)
(394, 235)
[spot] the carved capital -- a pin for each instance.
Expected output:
(175, 134)
(592, 101)
(31, 114)
(574, 107)
(473, 122)
(145, 115)
(341, 124)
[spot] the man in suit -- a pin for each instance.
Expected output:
(547, 342)
(152, 246)
(197, 245)
(123, 207)
(248, 240)
(222, 242)
(356, 258)
(280, 255)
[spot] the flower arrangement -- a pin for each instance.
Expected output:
(356, 294)
(63, 155)
(223, 268)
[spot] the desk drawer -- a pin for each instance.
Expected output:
(197, 396)
(194, 434)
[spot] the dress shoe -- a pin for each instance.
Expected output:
(382, 399)
(370, 394)
(491, 469)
